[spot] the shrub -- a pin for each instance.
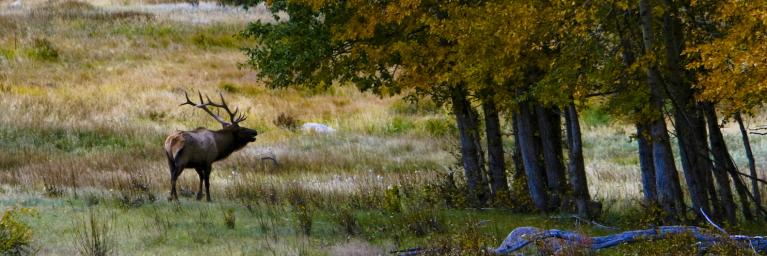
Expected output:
(347, 221)
(439, 127)
(229, 87)
(596, 116)
(286, 121)
(399, 125)
(304, 217)
(421, 221)
(468, 239)
(229, 218)
(414, 105)
(94, 236)
(50, 189)
(392, 202)
(302, 209)
(15, 236)
(135, 192)
(205, 41)
(43, 50)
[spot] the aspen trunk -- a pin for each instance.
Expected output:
(469, 151)
(666, 178)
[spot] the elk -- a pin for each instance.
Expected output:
(200, 148)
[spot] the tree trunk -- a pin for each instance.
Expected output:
(551, 141)
(726, 162)
(484, 180)
(687, 120)
(646, 163)
(469, 151)
(498, 182)
(535, 176)
(667, 184)
(646, 167)
(751, 163)
(576, 166)
(720, 171)
(516, 156)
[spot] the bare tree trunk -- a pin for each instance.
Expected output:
(576, 166)
(498, 182)
(686, 115)
(516, 156)
(484, 180)
(469, 152)
(647, 169)
(551, 140)
(535, 176)
(751, 163)
(667, 184)
(646, 163)
(720, 171)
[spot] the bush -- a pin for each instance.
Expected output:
(468, 239)
(135, 192)
(229, 218)
(94, 236)
(206, 41)
(347, 221)
(420, 221)
(596, 116)
(302, 209)
(15, 236)
(304, 217)
(439, 127)
(399, 125)
(229, 87)
(413, 106)
(43, 50)
(286, 121)
(50, 189)
(392, 201)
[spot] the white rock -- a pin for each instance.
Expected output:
(16, 4)
(316, 128)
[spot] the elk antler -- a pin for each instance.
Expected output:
(204, 106)
(232, 115)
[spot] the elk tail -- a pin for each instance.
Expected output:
(174, 144)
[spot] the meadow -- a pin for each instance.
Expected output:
(89, 90)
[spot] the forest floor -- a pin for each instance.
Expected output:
(88, 91)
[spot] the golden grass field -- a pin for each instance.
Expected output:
(89, 90)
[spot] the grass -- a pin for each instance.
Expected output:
(88, 92)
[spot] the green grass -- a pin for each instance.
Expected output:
(68, 140)
(199, 228)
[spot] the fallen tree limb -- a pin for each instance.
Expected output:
(521, 237)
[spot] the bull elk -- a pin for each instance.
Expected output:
(200, 148)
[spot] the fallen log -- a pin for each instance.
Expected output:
(522, 236)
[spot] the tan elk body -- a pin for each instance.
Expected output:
(200, 148)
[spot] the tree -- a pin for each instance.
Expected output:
(384, 47)
(667, 182)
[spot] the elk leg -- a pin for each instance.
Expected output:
(200, 173)
(207, 182)
(173, 176)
